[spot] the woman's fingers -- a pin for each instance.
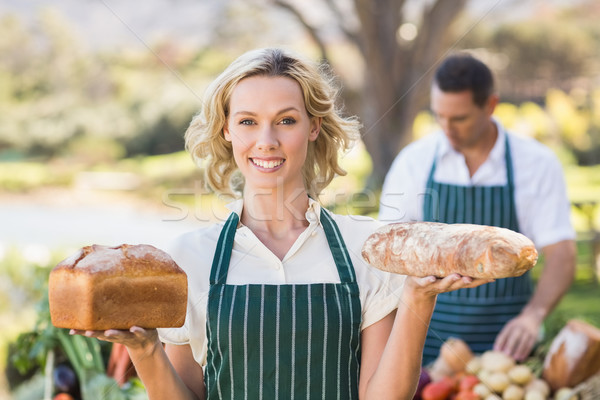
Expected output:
(449, 283)
(135, 336)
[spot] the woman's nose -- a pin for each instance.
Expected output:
(267, 139)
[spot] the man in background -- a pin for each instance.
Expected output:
(473, 171)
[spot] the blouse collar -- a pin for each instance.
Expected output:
(312, 214)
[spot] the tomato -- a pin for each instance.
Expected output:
(467, 383)
(439, 390)
(466, 395)
(63, 396)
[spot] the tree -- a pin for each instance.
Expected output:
(397, 71)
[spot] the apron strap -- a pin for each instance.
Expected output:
(511, 186)
(507, 160)
(433, 166)
(220, 265)
(338, 248)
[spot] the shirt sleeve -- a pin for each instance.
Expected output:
(382, 295)
(189, 252)
(404, 189)
(178, 336)
(379, 291)
(543, 206)
(392, 206)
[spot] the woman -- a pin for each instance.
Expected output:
(283, 306)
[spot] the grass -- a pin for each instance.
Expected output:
(580, 302)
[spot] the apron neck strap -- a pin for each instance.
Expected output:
(220, 265)
(509, 166)
(338, 248)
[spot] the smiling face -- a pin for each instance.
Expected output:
(269, 130)
(465, 124)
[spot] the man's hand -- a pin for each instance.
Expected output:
(519, 336)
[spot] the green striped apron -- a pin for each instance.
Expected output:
(476, 315)
(292, 341)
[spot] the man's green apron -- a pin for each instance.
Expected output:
(292, 341)
(476, 315)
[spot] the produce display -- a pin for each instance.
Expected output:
(458, 374)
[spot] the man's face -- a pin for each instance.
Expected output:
(465, 123)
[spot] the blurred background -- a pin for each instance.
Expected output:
(95, 97)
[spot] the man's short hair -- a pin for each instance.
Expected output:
(461, 72)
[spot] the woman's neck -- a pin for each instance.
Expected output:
(276, 220)
(275, 211)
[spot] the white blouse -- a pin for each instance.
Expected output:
(309, 260)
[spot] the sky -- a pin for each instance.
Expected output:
(109, 23)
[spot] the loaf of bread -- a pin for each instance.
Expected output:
(431, 248)
(574, 355)
(103, 287)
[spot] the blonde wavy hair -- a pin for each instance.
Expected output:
(205, 141)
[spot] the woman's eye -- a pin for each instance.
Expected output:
(288, 121)
(246, 122)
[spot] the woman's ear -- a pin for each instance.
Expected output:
(315, 128)
(226, 133)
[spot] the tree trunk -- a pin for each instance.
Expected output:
(397, 76)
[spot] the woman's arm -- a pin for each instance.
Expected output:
(172, 376)
(187, 368)
(392, 348)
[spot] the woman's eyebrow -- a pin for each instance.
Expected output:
(254, 114)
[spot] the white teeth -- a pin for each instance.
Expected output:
(267, 164)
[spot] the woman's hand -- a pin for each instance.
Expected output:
(430, 286)
(137, 340)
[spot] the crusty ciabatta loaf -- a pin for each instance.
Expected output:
(431, 248)
(103, 287)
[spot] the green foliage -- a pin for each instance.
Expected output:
(56, 95)
(538, 50)
(84, 354)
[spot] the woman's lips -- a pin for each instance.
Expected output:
(267, 164)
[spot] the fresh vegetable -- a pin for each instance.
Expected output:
(533, 394)
(466, 395)
(498, 381)
(424, 379)
(437, 390)
(65, 380)
(565, 393)
(456, 353)
(538, 385)
(520, 374)
(513, 392)
(482, 390)
(467, 383)
(63, 396)
(493, 397)
(83, 354)
(496, 361)
(473, 366)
